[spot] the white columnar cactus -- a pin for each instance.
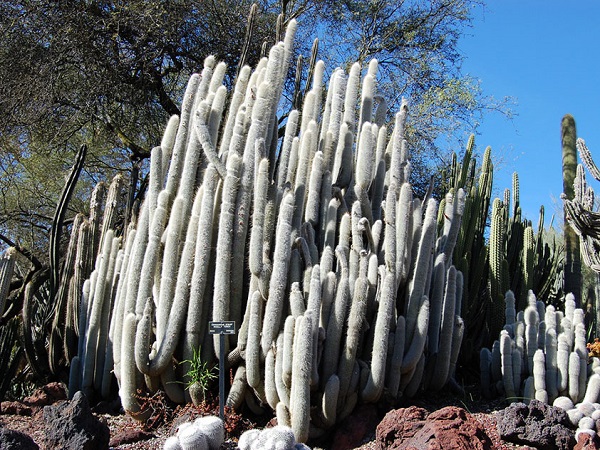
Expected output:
(343, 278)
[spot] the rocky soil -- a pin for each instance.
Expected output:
(357, 432)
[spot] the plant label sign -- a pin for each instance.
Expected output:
(221, 327)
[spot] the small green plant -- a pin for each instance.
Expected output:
(199, 376)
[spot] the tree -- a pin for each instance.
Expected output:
(109, 73)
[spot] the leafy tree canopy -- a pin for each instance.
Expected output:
(109, 73)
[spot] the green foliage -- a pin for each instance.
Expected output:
(109, 75)
(198, 372)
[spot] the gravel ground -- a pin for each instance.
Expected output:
(166, 424)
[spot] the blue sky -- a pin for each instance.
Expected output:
(545, 54)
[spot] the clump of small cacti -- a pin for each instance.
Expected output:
(277, 438)
(542, 354)
(204, 433)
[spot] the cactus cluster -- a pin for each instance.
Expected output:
(340, 280)
(541, 354)
(9, 332)
(204, 433)
(513, 258)
(279, 437)
(584, 219)
(84, 298)
(579, 211)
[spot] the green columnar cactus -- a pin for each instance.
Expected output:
(572, 268)
(498, 267)
(7, 267)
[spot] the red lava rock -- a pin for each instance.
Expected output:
(129, 437)
(354, 428)
(587, 442)
(450, 428)
(15, 408)
(47, 395)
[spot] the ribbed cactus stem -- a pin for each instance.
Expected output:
(574, 373)
(142, 337)
(253, 360)
(119, 307)
(286, 149)
(330, 400)
(166, 145)
(170, 267)
(417, 343)
(496, 364)
(394, 378)
(375, 383)
(269, 380)
(342, 164)
(517, 364)
(581, 349)
(351, 95)
(288, 346)
(301, 375)
(421, 271)
(203, 134)
(592, 392)
(255, 257)
(355, 326)
(367, 97)
(278, 282)
(235, 398)
(365, 158)
(497, 261)
(237, 99)
(95, 318)
(153, 248)
(103, 345)
(129, 386)
(283, 392)
(510, 311)
(336, 321)
(178, 153)
(194, 323)
(531, 333)
(485, 371)
(447, 332)
(179, 307)
(452, 229)
(562, 363)
(507, 369)
(311, 213)
(403, 232)
(7, 266)
(551, 364)
(539, 370)
(222, 285)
